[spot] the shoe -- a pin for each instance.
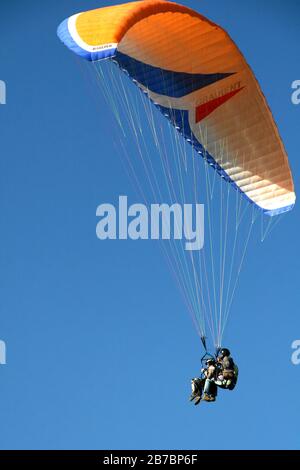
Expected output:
(197, 401)
(193, 396)
(206, 397)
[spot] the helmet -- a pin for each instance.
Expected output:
(224, 352)
(210, 361)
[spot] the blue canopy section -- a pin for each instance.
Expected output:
(166, 82)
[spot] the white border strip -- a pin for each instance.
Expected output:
(75, 36)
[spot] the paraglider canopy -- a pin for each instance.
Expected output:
(211, 84)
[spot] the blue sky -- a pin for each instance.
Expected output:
(100, 350)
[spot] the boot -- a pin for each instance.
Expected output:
(193, 396)
(198, 399)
